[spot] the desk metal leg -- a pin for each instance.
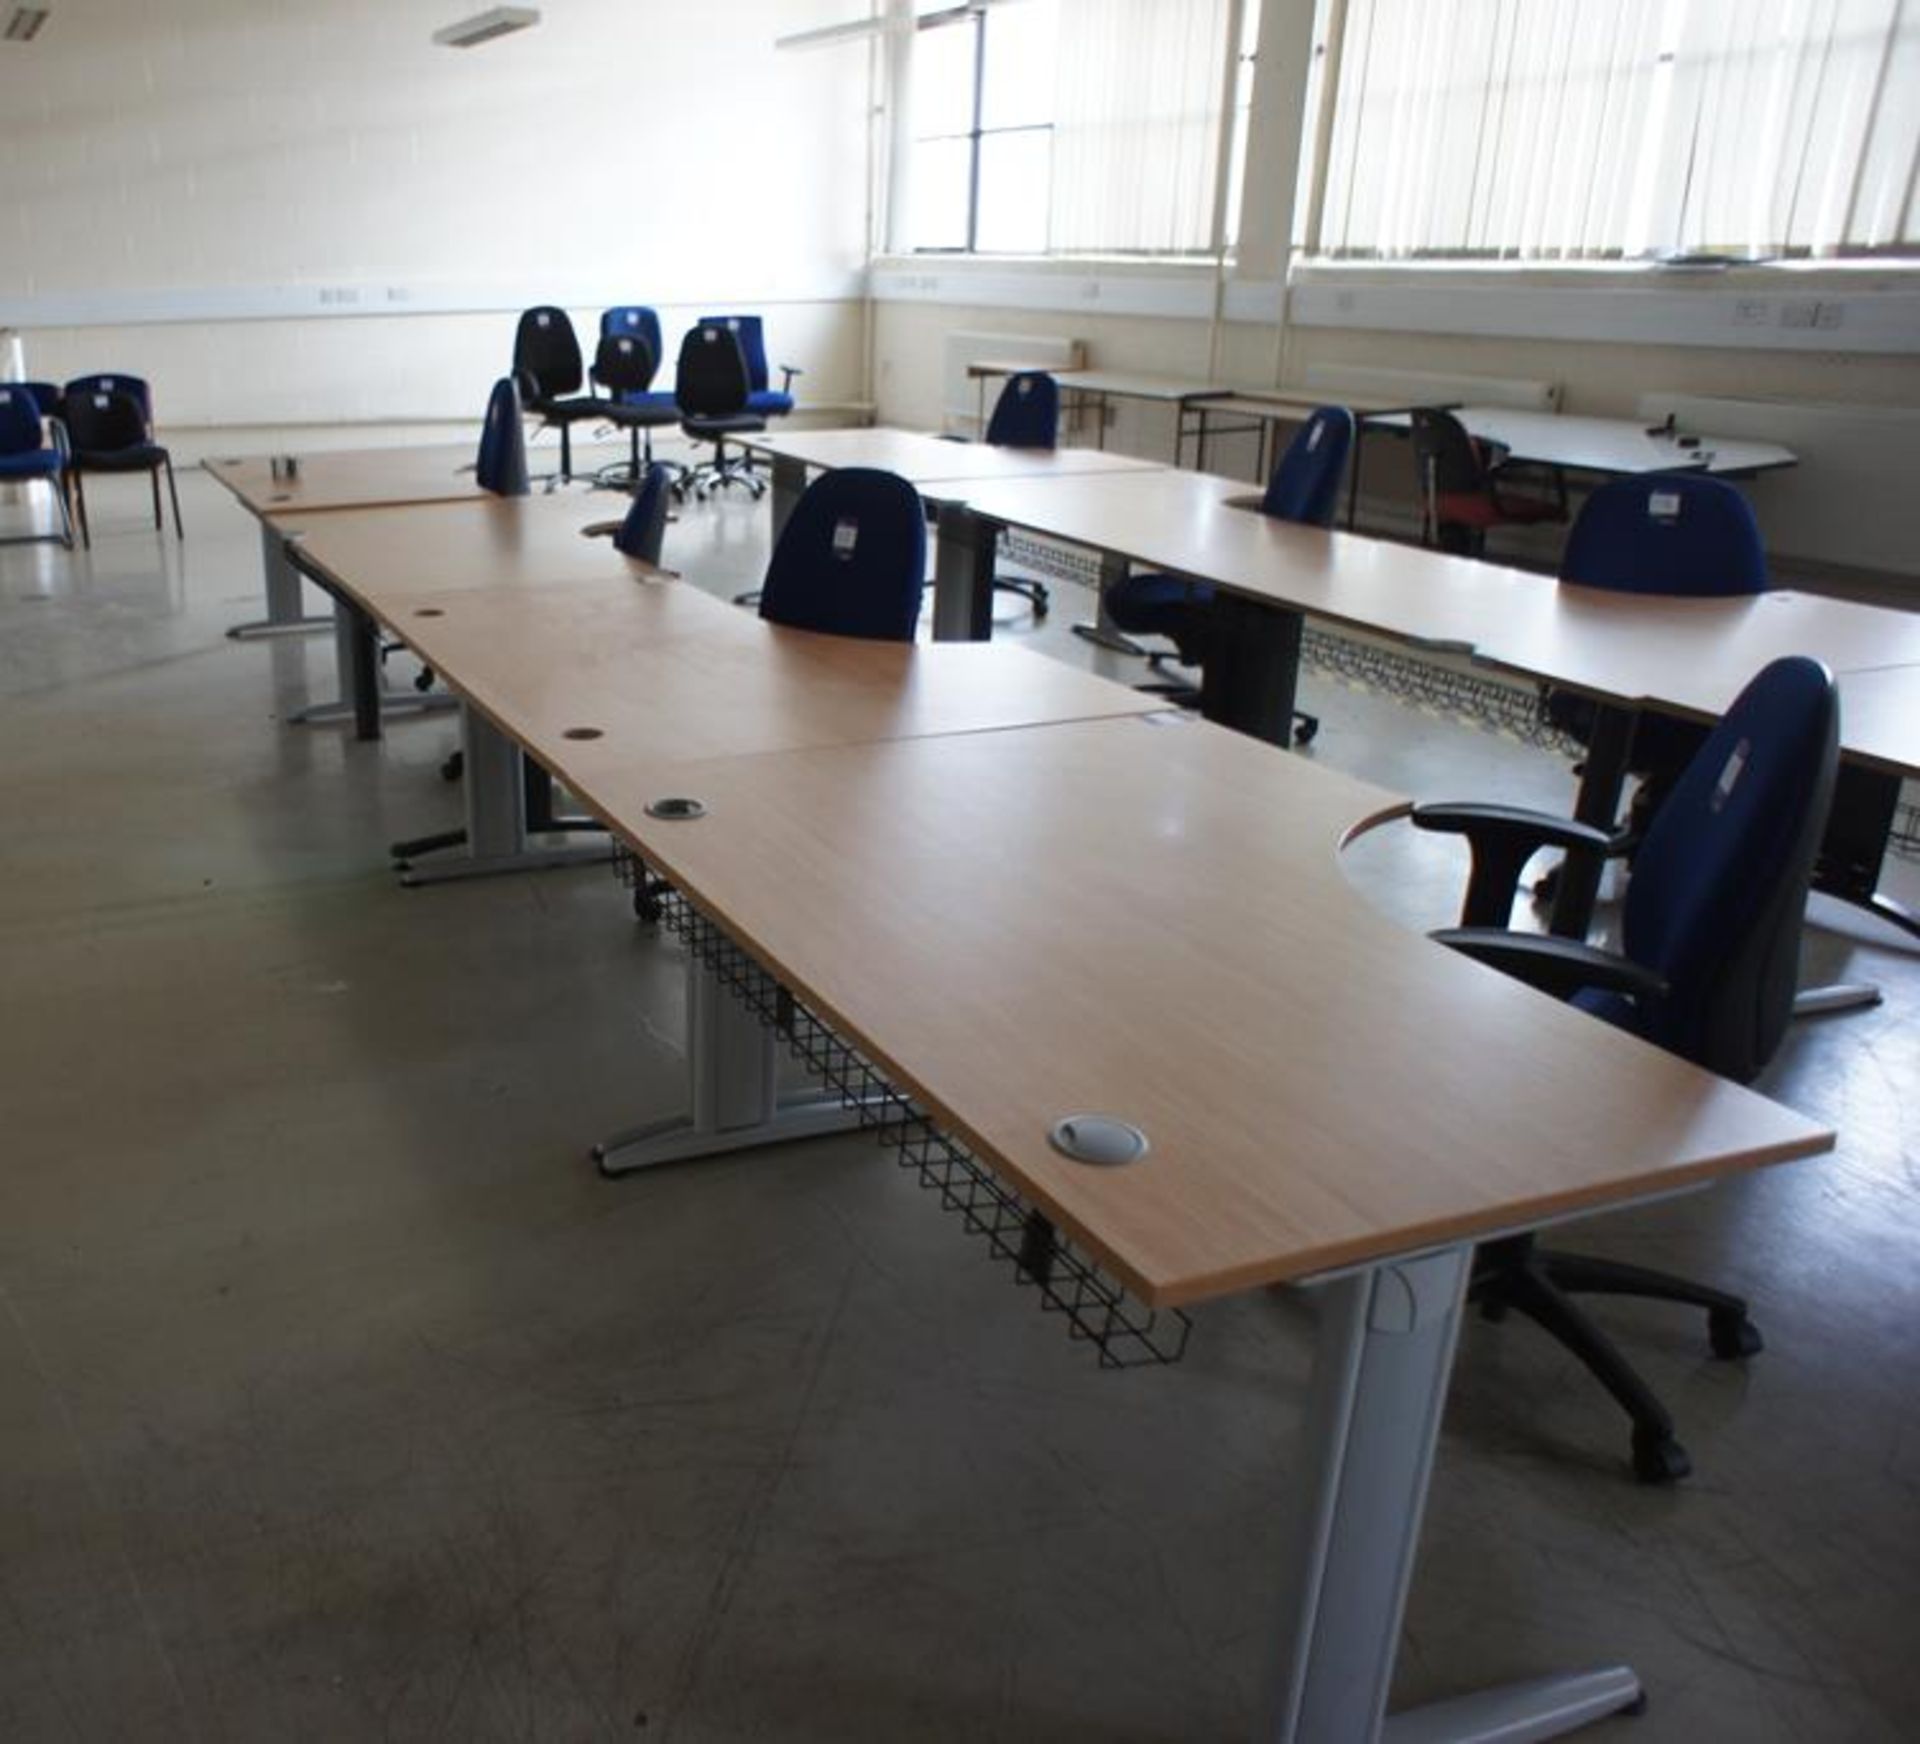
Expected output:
(789, 485)
(733, 1100)
(284, 616)
(965, 548)
(364, 698)
(1382, 1353)
(495, 780)
(1253, 668)
(1103, 632)
(1603, 776)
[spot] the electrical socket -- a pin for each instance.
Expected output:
(1799, 313)
(1750, 312)
(1828, 316)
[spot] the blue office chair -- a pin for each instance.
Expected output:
(501, 465)
(1708, 965)
(1305, 487)
(1672, 533)
(851, 559)
(644, 529)
(624, 366)
(33, 447)
(710, 385)
(1026, 415)
(762, 398)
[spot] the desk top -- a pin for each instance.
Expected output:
(1122, 384)
(352, 478)
(929, 462)
(1288, 406)
(1610, 445)
(1882, 709)
(1690, 655)
(486, 541)
(659, 673)
(1319, 1086)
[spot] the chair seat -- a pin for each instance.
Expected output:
(35, 463)
(634, 417)
(572, 409)
(770, 402)
(652, 400)
(1476, 509)
(1159, 605)
(741, 423)
(142, 457)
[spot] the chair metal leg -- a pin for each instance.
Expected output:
(173, 491)
(80, 501)
(1731, 1332)
(1657, 1456)
(153, 482)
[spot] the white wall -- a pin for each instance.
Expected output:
(291, 211)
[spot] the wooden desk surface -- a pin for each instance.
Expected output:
(1295, 405)
(1880, 710)
(661, 674)
(352, 478)
(1149, 920)
(929, 462)
(1611, 445)
(1689, 655)
(1122, 384)
(484, 542)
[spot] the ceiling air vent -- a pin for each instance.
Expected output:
(485, 26)
(24, 24)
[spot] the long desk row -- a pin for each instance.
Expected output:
(1346, 1109)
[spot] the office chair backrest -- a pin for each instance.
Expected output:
(852, 558)
(21, 429)
(501, 465)
(1672, 532)
(635, 320)
(625, 363)
(544, 347)
(710, 380)
(1719, 886)
(644, 530)
(1306, 484)
(1448, 458)
(749, 330)
(133, 386)
(103, 423)
(46, 395)
(1027, 413)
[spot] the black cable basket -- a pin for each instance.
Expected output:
(1124, 1333)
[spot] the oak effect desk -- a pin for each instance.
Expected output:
(1353, 1108)
(346, 478)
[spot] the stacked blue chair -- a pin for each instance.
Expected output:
(762, 397)
(1305, 487)
(109, 421)
(852, 558)
(29, 452)
(1708, 966)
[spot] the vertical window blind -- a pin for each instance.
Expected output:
(1543, 129)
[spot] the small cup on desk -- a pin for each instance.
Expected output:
(284, 468)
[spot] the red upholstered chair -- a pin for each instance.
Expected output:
(1462, 492)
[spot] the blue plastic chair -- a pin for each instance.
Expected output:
(1027, 413)
(110, 429)
(501, 465)
(637, 321)
(26, 453)
(135, 387)
(851, 559)
(762, 397)
(644, 530)
(1708, 967)
(1305, 487)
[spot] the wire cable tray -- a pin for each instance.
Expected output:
(1123, 1332)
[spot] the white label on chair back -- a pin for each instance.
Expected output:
(846, 535)
(543, 320)
(1664, 506)
(1025, 385)
(733, 323)
(710, 335)
(101, 401)
(1730, 775)
(1314, 435)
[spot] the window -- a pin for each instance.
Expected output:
(1075, 126)
(1569, 129)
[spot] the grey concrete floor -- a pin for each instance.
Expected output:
(340, 1398)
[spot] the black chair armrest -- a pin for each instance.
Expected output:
(1503, 839)
(787, 372)
(1555, 965)
(600, 530)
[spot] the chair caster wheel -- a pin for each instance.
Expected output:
(1733, 1336)
(423, 680)
(454, 767)
(1546, 887)
(646, 907)
(1304, 733)
(1659, 1459)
